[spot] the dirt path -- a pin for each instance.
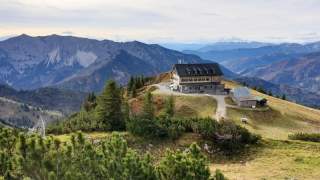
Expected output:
(221, 111)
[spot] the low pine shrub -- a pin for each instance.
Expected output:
(313, 137)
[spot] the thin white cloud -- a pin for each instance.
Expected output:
(165, 20)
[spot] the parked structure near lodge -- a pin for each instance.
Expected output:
(243, 98)
(197, 78)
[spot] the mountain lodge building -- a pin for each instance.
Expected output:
(197, 78)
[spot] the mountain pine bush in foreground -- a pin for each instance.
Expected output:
(24, 156)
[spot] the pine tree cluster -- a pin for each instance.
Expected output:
(135, 83)
(29, 156)
(107, 112)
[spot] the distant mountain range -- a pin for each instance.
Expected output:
(302, 71)
(183, 46)
(80, 64)
(251, 54)
(297, 95)
(217, 46)
(295, 65)
(223, 46)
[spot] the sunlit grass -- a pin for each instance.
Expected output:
(90, 136)
(185, 106)
(280, 119)
(276, 160)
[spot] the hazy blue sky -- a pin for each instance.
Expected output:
(165, 20)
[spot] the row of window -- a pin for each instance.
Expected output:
(199, 87)
(194, 79)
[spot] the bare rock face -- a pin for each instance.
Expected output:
(78, 63)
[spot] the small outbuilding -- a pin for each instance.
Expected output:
(242, 97)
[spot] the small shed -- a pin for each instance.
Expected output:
(243, 97)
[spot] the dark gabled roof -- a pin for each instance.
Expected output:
(210, 69)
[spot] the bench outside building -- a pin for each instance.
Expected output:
(197, 78)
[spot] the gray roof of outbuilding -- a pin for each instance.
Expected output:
(209, 69)
(242, 94)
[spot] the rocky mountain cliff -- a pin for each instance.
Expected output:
(78, 63)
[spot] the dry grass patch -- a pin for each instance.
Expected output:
(229, 101)
(195, 106)
(91, 136)
(276, 160)
(271, 123)
(163, 77)
(185, 106)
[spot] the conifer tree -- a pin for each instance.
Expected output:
(130, 84)
(283, 97)
(125, 109)
(189, 164)
(138, 82)
(134, 91)
(169, 106)
(90, 102)
(109, 113)
(148, 109)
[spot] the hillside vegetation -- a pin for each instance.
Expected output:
(280, 119)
